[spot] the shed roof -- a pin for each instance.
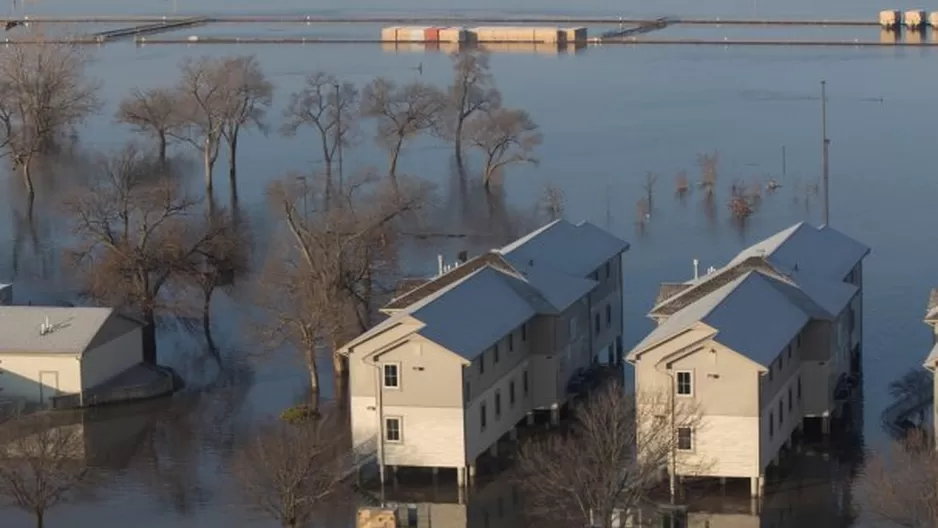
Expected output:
(73, 329)
(572, 249)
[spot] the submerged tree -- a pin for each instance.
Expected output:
(154, 112)
(402, 113)
(605, 461)
(900, 485)
(43, 92)
(41, 465)
(473, 90)
(328, 106)
(289, 471)
(203, 109)
(134, 234)
(505, 137)
(247, 97)
(320, 287)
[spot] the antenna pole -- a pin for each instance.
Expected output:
(825, 147)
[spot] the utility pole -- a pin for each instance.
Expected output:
(338, 131)
(825, 147)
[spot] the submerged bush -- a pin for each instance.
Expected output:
(299, 413)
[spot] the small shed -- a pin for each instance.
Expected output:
(50, 351)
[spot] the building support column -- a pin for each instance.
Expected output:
(436, 476)
(620, 356)
(555, 415)
(756, 487)
(826, 425)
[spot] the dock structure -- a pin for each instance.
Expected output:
(640, 29)
(148, 29)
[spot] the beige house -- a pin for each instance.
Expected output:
(50, 351)
(466, 355)
(757, 346)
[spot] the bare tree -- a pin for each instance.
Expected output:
(133, 234)
(505, 137)
(741, 202)
(709, 167)
(289, 471)
(402, 113)
(609, 459)
(915, 384)
(203, 108)
(247, 97)
(43, 91)
(472, 90)
(41, 465)
(154, 112)
(330, 107)
(552, 201)
(681, 184)
(322, 285)
(900, 486)
(650, 180)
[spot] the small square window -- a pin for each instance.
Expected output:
(685, 439)
(392, 379)
(685, 384)
(392, 429)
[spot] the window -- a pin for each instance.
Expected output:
(781, 413)
(482, 363)
(511, 342)
(789, 351)
(770, 371)
(572, 325)
(799, 341)
(685, 386)
(392, 429)
(594, 275)
(799, 389)
(608, 269)
(482, 417)
(524, 382)
(685, 439)
(392, 379)
(608, 314)
(596, 323)
(771, 425)
(789, 399)
(781, 363)
(498, 405)
(524, 332)
(495, 351)
(511, 394)
(468, 395)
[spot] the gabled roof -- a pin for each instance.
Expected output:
(750, 315)
(571, 249)
(821, 251)
(458, 273)
(74, 329)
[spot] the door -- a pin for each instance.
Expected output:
(48, 386)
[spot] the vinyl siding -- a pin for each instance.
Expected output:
(20, 374)
(109, 359)
(477, 440)
(771, 444)
(724, 446)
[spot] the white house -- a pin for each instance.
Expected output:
(50, 351)
(466, 355)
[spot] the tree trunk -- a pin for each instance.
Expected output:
(233, 163)
(395, 155)
(457, 141)
(149, 337)
(313, 370)
(162, 147)
(208, 164)
(40, 519)
(28, 181)
(207, 323)
(339, 365)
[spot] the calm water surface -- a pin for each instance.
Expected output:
(609, 115)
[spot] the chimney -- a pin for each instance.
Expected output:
(696, 269)
(439, 264)
(463, 257)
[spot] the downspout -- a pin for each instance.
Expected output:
(672, 476)
(379, 411)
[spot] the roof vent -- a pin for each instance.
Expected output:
(45, 327)
(711, 270)
(463, 257)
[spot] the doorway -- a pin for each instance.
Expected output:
(48, 386)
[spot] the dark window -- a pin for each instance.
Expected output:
(495, 351)
(524, 382)
(468, 392)
(685, 386)
(392, 429)
(608, 269)
(781, 362)
(770, 371)
(482, 363)
(594, 275)
(498, 405)
(799, 341)
(799, 388)
(781, 413)
(608, 314)
(511, 394)
(771, 424)
(511, 342)
(789, 399)
(524, 332)
(391, 378)
(685, 439)
(789, 351)
(596, 323)
(482, 417)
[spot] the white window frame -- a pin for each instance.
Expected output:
(677, 440)
(400, 429)
(677, 383)
(384, 377)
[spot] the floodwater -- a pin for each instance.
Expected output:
(609, 115)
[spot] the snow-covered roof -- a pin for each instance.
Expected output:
(751, 315)
(73, 329)
(821, 251)
(571, 249)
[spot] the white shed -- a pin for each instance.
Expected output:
(47, 351)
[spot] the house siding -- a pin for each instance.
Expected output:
(478, 440)
(19, 374)
(431, 437)
(782, 429)
(724, 446)
(607, 293)
(109, 359)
